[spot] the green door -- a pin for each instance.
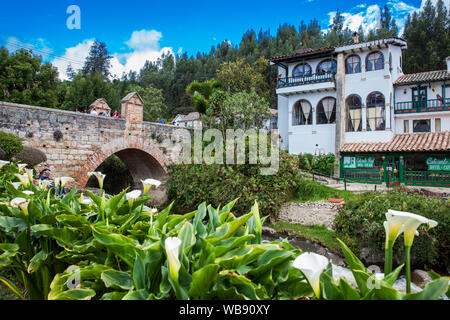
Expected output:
(394, 171)
(419, 97)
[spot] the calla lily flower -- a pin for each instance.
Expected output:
(24, 179)
(86, 201)
(311, 265)
(3, 163)
(29, 173)
(410, 221)
(393, 230)
(154, 210)
(16, 185)
(43, 184)
(131, 196)
(65, 180)
(149, 183)
(28, 192)
(172, 244)
(16, 202)
(57, 183)
(100, 177)
(21, 167)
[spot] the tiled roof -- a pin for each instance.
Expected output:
(191, 117)
(439, 75)
(413, 142)
(302, 53)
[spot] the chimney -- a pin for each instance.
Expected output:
(355, 38)
(448, 63)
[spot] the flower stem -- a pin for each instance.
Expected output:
(408, 269)
(388, 258)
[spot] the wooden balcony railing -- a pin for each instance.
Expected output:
(423, 106)
(310, 79)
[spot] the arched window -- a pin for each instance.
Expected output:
(327, 66)
(354, 113)
(302, 70)
(326, 111)
(376, 112)
(375, 61)
(302, 113)
(353, 64)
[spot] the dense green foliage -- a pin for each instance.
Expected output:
(360, 224)
(310, 191)
(321, 164)
(10, 144)
(190, 185)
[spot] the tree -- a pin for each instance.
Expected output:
(428, 37)
(153, 101)
(201, 92)
(70, 72)
(98, 61)
(25, 79)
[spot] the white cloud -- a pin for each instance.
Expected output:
(145, 40)
(74, 56)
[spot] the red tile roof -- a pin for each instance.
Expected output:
(413, 142)
(303, 53)
(439, 75)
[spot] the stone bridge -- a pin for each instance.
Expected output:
(77, 143)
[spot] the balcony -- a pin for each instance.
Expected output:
(313, 82)
(422, 106)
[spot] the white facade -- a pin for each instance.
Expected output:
(380, 65)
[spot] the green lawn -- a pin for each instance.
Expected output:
(311, 191)
(317, 234)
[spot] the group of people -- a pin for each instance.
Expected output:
(45, 175)
(116, 113)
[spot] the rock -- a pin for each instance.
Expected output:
(268, 230)
(369, 256)
(2, 154)
(336, 260)
(159, 197)
(420, 278)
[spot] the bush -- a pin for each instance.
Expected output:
(30, 156)
(322, 164)
(10, 144)
(190, 185)
(361, 219)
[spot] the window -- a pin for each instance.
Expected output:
(302, 70)
(421, 126)
(353, 64)
(375, 61)
(327, 66)
(437, 125)
(326, 111)
(390, 62)
(302, 113)
(406, 126)
(353, 104)
(376, 112)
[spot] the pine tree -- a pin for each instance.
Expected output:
(98, 61)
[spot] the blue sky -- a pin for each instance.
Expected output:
(136, 31)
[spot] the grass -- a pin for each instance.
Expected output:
(311, 191)
(316, 234)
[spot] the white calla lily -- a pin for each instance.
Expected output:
(148, 183)
(65, 180)
(172, 245)
(410, 221)
(24, 179)
(43, 184)
(57, 183)
(100, 177)
(133, 195)
(393, 230)
(3, 163)
(16, 202)
(311, 265)
(22, 167)
(28, 192)
(16, 185)
(29, 173)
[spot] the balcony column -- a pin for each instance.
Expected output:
(364, 117)
(340, 108)
(387, 113)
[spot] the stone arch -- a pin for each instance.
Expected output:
(144, 160)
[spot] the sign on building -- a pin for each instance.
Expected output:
(355, 162)
(438, 164)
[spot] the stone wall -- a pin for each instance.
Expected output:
(76, 143)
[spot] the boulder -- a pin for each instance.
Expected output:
(420, 278)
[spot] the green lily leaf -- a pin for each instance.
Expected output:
(228, 229)
(10, 250)
(200, 229)
(392, 277)
(202, 281)
(117, 279)
(37, 260)
(113, 295)
(75, 294)
(348, 292)
(432, 291)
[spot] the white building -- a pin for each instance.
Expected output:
(354, 100)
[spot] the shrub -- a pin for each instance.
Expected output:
(322, 164)
(10, 143)
(190, 185)
(361, 221)
(30, 156)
